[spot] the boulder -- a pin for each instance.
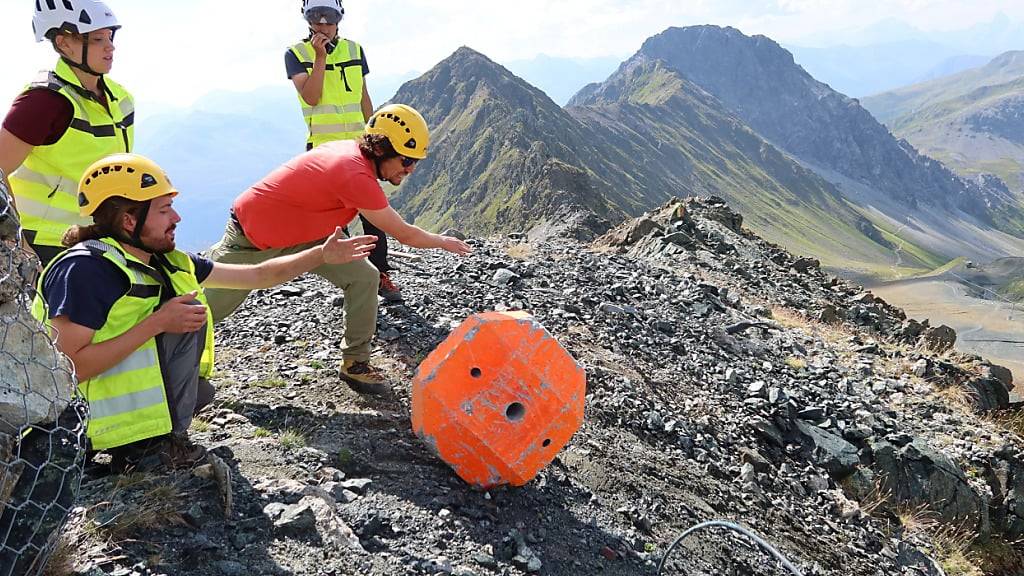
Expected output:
(939, 339)
(988, 394)
(1000, 373)
(836, 455)
(40, 384)
(918, 476)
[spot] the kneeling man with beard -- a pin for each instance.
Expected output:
(128, 309)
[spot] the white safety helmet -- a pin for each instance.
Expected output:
(322, 11)
(78, 16)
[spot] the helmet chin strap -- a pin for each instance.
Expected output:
(135, 239)
(84, 66)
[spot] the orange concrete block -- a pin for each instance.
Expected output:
(498, 399)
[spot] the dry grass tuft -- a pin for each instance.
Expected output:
(523, 251)
(293, 439)
(795, 320)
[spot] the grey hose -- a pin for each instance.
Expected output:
(735, 528)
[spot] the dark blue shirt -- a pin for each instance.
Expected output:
(84, 288)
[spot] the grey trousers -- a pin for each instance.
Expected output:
(187, 393)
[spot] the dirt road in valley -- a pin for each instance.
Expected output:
(986, 327)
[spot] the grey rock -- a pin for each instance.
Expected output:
(230, 568)
(37, 381)
(988, 394)
(357, 485)
(836, 455)
(297, 520)
(1000, 373)
(917, 475)
(504, 276)
(939, 339)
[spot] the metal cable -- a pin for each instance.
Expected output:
(735, 528)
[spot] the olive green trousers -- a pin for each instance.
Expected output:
(359, 280)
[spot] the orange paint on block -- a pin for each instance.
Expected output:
(498, 399)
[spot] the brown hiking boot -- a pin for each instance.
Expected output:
(388, 289)
(180, 452)
(363, 378)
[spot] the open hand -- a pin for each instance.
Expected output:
(338, 249)
(182, 314)
(455, 246)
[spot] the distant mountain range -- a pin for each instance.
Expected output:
(700, 110)
(973, 120)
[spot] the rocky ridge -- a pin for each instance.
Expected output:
(726, 379)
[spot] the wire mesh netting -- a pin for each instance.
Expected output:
(42, 416)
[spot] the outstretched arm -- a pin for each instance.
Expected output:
(392, 223)
(335, 250)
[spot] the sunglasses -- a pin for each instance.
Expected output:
(407, 162)
(321, 15)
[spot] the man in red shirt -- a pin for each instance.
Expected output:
(300, 203)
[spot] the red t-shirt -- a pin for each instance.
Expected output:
(39, 117)
(311, 194)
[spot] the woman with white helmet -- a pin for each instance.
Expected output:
(65, 120)
(329, 74)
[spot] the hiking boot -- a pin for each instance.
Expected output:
(388, 289)
(180, 452)
(363, 378)
(141, 455)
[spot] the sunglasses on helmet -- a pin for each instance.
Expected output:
(323, 15)
(407, 162)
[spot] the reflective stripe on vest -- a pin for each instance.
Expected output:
(128, 401)
(46, 184)
(339, 114)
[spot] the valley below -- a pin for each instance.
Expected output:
(991, 328)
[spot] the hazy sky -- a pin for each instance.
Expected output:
(174, 51)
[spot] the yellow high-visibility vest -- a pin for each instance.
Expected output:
(339, 114)
(128, 402)
(45, 186)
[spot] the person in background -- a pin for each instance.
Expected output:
(128, 308)
(329, 74)
(65, 120)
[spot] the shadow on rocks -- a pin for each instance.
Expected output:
(409, 507)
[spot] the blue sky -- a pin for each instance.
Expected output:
(174, 52)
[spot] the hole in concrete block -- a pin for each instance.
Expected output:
(546, 442)
(515, 411)
(475, 372)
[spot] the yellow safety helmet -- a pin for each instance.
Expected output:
(404, 127)
(128, 176)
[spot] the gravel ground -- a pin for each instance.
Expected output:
(726, 379)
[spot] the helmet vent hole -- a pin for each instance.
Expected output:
(147, 181)
(106, 169)
(69, 5)
(83, 18)
(50, 4)
(411, 144)
(118, 168)
(131, 170)
(475, 372)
